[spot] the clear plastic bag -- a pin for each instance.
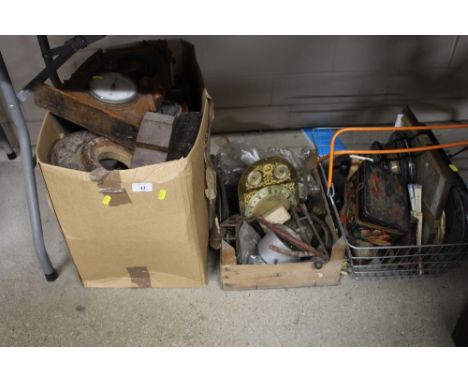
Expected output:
(235, 157)
(231, 161)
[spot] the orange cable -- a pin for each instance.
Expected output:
(388, 151)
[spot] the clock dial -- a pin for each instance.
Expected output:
(281, 172)
(265, 185)
(269, 197)
(254, 178)
(111, 87)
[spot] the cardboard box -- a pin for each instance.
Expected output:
(235, 276)
(156, 238)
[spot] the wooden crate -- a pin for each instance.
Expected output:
(291, 275)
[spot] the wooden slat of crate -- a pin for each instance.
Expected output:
(291, 275)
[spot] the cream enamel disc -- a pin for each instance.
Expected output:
(111, 87)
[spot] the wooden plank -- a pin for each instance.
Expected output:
(119, 123)
(291, 275)
(155, 130)
(228, 254)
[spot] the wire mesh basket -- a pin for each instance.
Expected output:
(368, 260)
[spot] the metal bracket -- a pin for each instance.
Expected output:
(62, 53)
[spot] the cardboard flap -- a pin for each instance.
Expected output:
(210, 175)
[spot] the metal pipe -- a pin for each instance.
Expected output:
(334, 153)
(314, 229)
(16, 116)
(301, 227)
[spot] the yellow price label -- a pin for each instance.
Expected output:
(453, 167)
(106, 200)
(162, 194)
(97, 77)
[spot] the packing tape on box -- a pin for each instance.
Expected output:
(110, 184)
(140, 276)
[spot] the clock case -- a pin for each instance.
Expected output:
(156, 73)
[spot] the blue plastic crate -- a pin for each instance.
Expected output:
(321, 137)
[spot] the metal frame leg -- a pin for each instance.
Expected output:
(16, 116)
(48, 60)
(6, 144)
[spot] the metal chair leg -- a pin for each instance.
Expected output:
(16, 116)
(6, 144)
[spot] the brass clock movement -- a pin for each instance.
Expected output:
(267, 184)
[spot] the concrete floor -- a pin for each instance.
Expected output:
(356, 313)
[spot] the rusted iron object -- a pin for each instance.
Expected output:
(290, 239)
(290, 252)
(310, 220)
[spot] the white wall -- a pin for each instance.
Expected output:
(282, 82)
